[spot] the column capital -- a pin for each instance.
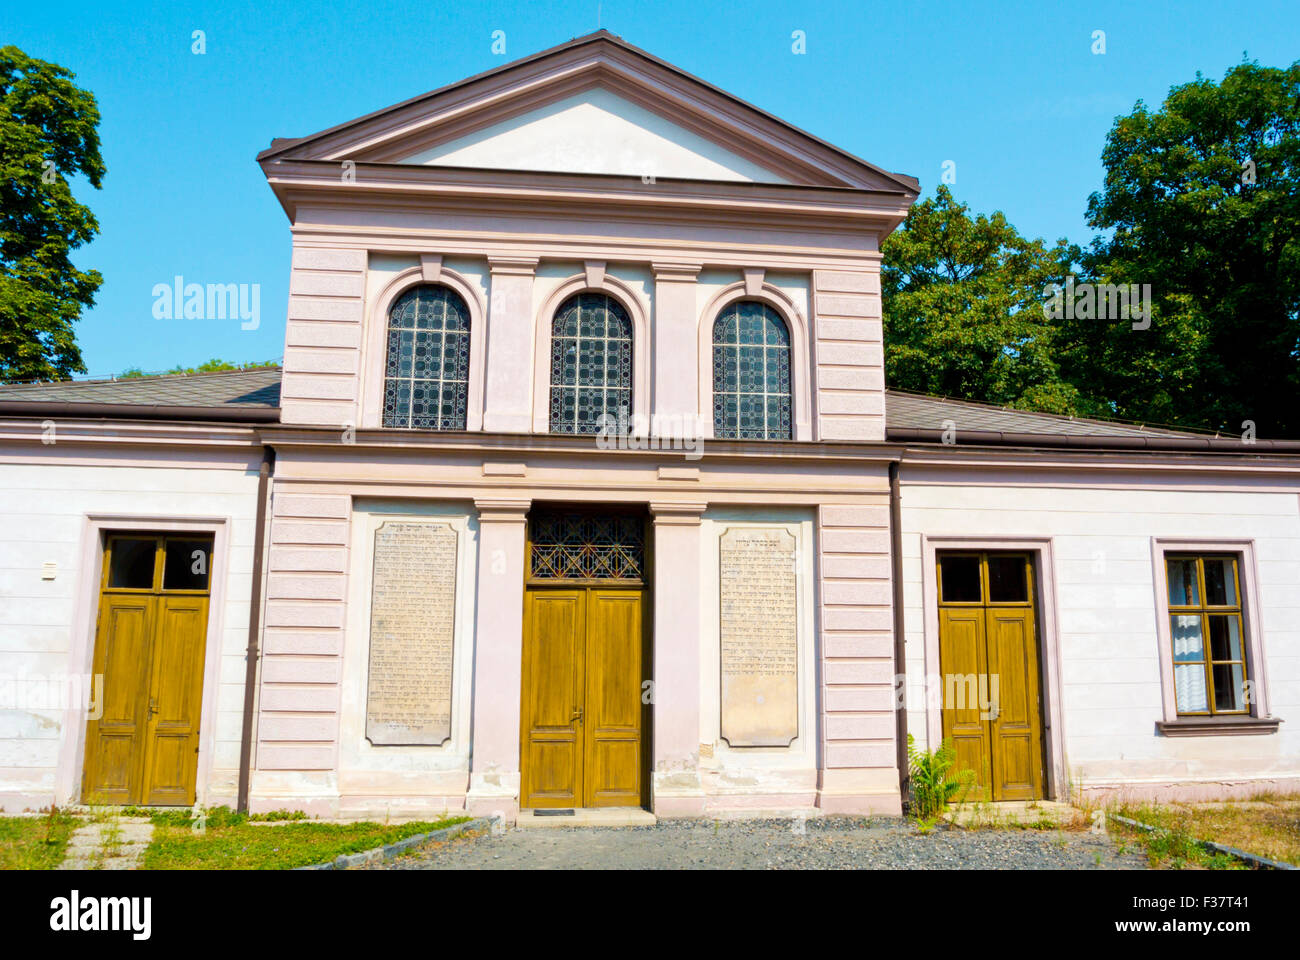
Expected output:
(494, 510)
(676, 271)
(519, 266)
(676, 512)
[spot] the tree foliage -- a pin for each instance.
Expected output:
(963, 307)
(215, 365)
(1202, 201)
(48, 132)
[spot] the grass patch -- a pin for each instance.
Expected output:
(35, 843)
(234, 842)
(1267, 827)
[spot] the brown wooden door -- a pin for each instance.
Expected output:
(988, 655)
(581, 710)
(149, 647)
(554, 666)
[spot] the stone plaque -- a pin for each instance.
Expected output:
(412, 624)
(760, 678)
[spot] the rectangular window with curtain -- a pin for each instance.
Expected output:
(1211, 672)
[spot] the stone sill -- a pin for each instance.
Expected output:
(1217, 726)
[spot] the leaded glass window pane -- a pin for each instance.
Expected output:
(580, 546)
(426, 373)
(591, 364)
(751, 373)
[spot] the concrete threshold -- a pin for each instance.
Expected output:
(587, 817)
(1011, 812)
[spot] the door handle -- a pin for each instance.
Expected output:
(153, 706)
(577, 714)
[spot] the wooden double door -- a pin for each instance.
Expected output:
(988, 657)
(583, 712)
(149, 649)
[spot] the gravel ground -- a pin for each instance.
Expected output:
(831, 843)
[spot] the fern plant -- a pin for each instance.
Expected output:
(934, 782)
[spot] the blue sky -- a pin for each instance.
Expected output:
(1010, 92)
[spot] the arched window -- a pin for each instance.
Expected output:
(426, 379)
(751, 373)
(591, 364)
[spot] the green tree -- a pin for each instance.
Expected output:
(215, 365)
(963, 309)
(1201, 200)
(47, 134)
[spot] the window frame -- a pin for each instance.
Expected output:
(577, 386)
(374, 340)
(1203, 610)
(764, 348)
(755, 288)
(441, 379)
(1255, 718)
(593, 279)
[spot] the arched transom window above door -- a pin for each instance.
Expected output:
(426, 374)
(751, 373)
(591, 365)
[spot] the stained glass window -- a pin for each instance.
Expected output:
(581, 546)
(591, 364)
(751, 373)
(426, 378)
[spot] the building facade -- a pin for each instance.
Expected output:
(580, 487)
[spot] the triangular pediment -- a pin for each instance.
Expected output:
(595, 105)
(596, 131)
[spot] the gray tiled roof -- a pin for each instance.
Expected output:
(260, 387)
(911, 411)
(257, 387)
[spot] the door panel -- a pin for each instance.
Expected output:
(613, 720)
(963, 655)
(1016, 743)
(553, 691)
(123, 647)
(175, 703)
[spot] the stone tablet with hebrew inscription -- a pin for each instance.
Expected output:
(760, 678)
(412, 626)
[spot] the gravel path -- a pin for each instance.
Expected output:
(830, 843)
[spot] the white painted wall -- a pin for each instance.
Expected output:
(1107, 608)
(43, 518)
(595, 132)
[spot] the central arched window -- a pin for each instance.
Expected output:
(426, 379)
(751, 373)
(591, 365)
